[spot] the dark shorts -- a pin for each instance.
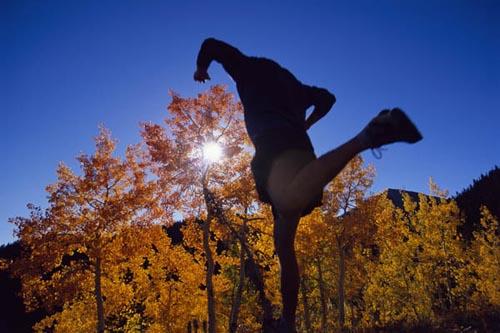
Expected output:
(271, 145)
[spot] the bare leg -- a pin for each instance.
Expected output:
(292, 185)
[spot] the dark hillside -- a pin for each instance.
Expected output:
(13, 317)
(483, 191)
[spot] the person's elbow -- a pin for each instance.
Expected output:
(328, 100)
(331, 100)
(209, 42)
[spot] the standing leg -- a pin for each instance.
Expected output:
(284, 241)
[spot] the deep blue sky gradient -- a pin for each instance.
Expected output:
(67, 66)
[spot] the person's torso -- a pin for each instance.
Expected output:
(271, 96)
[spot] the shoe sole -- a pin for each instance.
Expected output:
(411, 133)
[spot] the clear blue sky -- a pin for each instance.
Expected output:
(67, 66)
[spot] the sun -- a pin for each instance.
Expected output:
(212, 152)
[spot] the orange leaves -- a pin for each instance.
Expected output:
(349, 187)
(204, 118)
(201, 189)
(176, 150)
(381, 263)
(86, 217)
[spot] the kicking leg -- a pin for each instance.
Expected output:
(296, 178)
(293, 183)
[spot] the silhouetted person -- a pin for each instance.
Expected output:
(287, 173)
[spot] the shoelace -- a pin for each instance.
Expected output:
(377, 152)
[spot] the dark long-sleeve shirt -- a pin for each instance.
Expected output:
(272, 97)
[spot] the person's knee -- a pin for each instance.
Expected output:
(284, 237)
(288, 205)
(284, 246)
(279, 240)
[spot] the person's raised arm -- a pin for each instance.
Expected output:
(228, 56)
(322, 100)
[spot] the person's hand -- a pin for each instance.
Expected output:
(201, 75)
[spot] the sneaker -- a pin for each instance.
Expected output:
(390, 126)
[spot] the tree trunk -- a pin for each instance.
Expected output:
(212, 320)
(235, 307)
(305, 302)
(341, 288)
(212, 325)
(448, 272)
(169, 308)
(322, 296)
(254, 272)
(98, 296)
(253, 269)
